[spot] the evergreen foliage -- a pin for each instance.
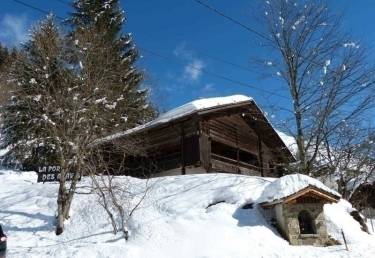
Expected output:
(105, 59)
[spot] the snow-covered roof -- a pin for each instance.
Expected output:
(289, 141)
(290, 184)
(184, 110)
(195, 106)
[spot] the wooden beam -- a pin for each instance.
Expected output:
(313, 190)
(323, 195)
(237, 153)
(182, 146)
(260, 156)
(205, 145)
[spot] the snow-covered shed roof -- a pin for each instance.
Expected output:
(290, 185)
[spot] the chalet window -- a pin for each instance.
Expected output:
(231, 153)
(306, 223)
(249, 158)
(223, 150)
(167, 157)
(280, 171)
(191, 150)
(271, 167)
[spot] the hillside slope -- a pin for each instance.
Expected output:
(174, 221)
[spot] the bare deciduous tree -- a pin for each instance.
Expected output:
(44, 117)
(324, 70)
(6, 59)
(119, 196)
(349, 158)
(66, 95)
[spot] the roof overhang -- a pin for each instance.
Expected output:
(324, 196)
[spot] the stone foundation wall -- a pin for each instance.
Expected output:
(291, 224)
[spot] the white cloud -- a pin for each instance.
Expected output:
(208, 90)
(183, 52)
(13, 29)
(193, 70)
(209, 87)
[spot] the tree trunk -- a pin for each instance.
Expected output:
(61, 201)
(70, 194)
(341, 185)
(298, 117)
(60, 208)
(301, 150)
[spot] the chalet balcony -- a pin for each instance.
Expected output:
(225, 164)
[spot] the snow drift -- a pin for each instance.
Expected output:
(182, 216)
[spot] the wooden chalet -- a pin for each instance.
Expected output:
(226, 134)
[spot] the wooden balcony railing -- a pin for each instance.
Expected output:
(233, 163)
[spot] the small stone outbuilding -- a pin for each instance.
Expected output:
(300, 216)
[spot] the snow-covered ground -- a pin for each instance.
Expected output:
(173, 222)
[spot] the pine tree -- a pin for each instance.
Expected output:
(109, 86)
(106, 59)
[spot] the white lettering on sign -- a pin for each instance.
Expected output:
(49, 169)
(53, 174)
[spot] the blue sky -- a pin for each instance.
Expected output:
(189, 36)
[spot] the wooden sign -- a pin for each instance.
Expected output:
(53, 174)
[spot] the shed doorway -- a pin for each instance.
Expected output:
(306, 223)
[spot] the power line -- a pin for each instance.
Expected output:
(36, 8)
(224, 61)
(64, 2)
(200, 51)
(246, 27)
(218, 12)
(222, 77)
(218, 59)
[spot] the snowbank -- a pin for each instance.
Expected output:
(174, 221)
